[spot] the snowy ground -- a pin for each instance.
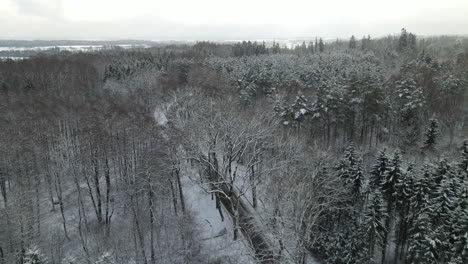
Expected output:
(217, 236)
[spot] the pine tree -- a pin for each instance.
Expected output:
(357, 180)
(392, 177)
(411, 41)
(33, 256)
(373, 225)
(351, 171)
(345, 166)
(405, 191)
(431, 135)
(443, 203)
(431, 211)
(310, 47)
(389, 188)
(422, 245)
(443, 209)
(352, 42)
(410, 102)
(442, 169)
(459, 235)
(403, 41)
(409, 99)
(379, 170)
(357, 251)
(419, 201)
(300, 109)
(321, 45)
(366, 42)
(303, 48)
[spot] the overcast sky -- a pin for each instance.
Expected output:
(228, 20)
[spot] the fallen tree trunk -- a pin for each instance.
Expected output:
(241, 213)
(247, 223)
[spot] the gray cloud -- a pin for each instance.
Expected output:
(44, 19)
(52, 9)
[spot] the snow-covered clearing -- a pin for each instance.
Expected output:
(217, 236)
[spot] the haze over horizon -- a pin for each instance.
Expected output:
(227, 20)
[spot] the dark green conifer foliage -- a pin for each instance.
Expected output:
(321, 45)
(379, 170)
(431, 135)
(352, 42)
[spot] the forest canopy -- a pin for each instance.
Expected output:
(346, 151)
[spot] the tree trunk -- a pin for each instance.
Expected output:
(141, 238)
(80, 197)
(97, 188)
(49, 185)
(3, 190)
(2, 257)
(80, 232)
(38, 207)
(174, 198)
(151, 215)
(108, 190)
(58, 190)
(253, 186)
(181, 193)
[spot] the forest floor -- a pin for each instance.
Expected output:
(217, 235)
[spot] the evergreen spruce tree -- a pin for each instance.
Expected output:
(443, 203)
(358, 248)
(433, 208)
(422, 247)
(409, 102)
(442, 211)
(358, 181)
(431, 135)
(392, 177)
(411, 41)
(389, 188)
(373, 226)
(419, 201)
(365, 42)
(405, 191)
(403, 41)
(321, 45)
(379, 170)
(442, 169)
(346, 165)
(459, 235)
(352, 42)
(33, 256)
(351, 171)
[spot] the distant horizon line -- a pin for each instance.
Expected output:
(193, 40)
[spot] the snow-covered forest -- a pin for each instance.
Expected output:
(346, 151)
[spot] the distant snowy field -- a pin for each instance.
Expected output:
(70, 48)
(13, 58)
(73, 47)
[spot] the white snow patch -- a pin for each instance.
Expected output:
(217, 235)
(160, 116)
